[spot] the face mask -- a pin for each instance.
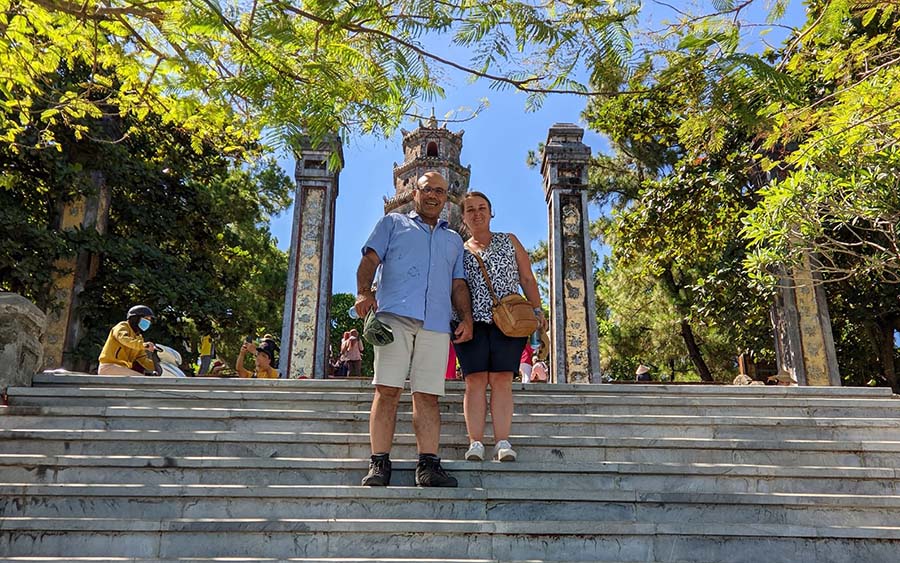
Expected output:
(144, 324)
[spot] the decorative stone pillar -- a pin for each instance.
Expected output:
(304, 333)
(573, 328)
(804, 344)
(21, 353)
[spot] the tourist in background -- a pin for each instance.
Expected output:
(351, 353)
(421, 276)
(206, 350)
(450, 374)
(539, 370)
(491, 357)
(783, 377)
(525, 363)
(125, 349)
(268, 342)
(341, 368)
(642, 373)
(264, 357)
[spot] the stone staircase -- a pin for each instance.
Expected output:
(139, 469)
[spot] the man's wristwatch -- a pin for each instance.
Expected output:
(538, 311)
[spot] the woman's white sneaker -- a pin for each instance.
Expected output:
(503, 451)
(476, 452)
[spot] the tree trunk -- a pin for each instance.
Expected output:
(885, 342)
(694, 351)
(686, 332)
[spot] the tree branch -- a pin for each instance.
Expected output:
(522, 85)
(100, 13)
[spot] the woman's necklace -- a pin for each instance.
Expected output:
(474, 244)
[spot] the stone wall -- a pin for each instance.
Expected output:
(21, 326)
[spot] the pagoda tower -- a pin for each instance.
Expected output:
(430, 147)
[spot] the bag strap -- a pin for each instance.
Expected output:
(484, 273)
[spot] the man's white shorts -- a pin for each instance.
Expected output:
(415, 352)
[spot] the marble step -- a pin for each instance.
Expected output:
(650, 477)
(302, 560)
(529, 402)
(562, 449)
(87, 380)
(273, 388)
(416, 537)
(271, 420)
(211, 469)
(163, 502)
(587, 476)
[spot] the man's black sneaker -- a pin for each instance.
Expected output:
(429, 473)
(379, 472)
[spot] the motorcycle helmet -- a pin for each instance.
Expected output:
(140, 311)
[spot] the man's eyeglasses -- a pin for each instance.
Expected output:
(435, 191)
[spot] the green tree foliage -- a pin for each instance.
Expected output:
(341, 323)
(835, 164)
(730, 167)
(187, 232)
(314, 66)
(838, 193)
(672, 219)
(637, 324)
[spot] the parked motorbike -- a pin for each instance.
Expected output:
(166, 361)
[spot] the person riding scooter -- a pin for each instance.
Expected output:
(125, 349)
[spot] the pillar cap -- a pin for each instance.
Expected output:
(326, 146)
(565, 132)
(564, 144)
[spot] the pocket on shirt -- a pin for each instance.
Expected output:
(450, 252)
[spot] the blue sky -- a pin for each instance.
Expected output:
(495, 144)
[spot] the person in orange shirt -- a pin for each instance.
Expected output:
(264, 357)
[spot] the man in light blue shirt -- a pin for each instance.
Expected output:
(422, 280)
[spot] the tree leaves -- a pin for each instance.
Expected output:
(187, 234)
(323, 66)
(837, 198)
(732, 168)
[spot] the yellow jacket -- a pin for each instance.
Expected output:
(123, 347)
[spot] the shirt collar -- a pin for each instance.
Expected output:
(441, 223)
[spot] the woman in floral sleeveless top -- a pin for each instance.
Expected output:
(491, 357)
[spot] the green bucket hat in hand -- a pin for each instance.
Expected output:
(376, 332)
